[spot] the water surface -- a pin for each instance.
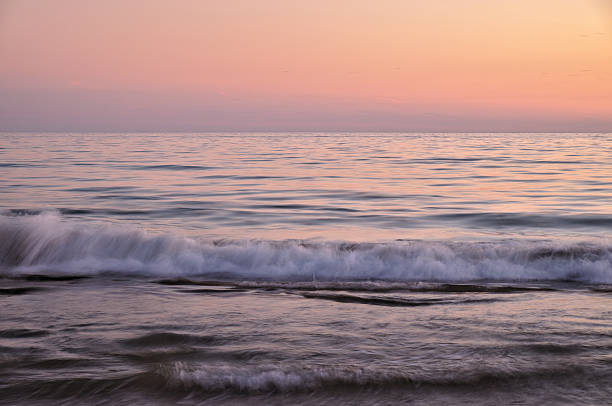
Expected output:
(305, 268)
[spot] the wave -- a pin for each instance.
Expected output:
(369, 286)
(198, 381)
(277, 378)
(391, 301)
(47, 244)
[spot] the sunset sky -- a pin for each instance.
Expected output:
(316, 65)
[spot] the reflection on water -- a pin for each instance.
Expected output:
(331, 186)
(94, 340)
(496, 290)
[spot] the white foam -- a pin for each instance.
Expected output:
(48, 244)
(264, 378)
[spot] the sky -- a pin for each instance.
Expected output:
(308, 65)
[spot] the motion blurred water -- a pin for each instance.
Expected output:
(305, 269)
(358, 187)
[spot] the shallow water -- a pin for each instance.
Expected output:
(158, 342)
(305, 269)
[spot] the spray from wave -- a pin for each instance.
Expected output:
(47, 244)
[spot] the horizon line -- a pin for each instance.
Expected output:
(295, 132)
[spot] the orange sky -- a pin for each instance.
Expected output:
(436, 65)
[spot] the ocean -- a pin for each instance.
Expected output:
(314, 268)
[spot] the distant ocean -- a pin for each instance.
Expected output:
(315, 268)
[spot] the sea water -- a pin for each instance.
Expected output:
(305, 268)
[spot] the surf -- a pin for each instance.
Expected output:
(48, 244)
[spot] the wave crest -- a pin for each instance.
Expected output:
(279, 378)
(47, 244)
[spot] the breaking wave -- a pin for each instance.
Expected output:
(47, 244)
(275, 378)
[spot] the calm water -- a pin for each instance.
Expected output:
(306, 268)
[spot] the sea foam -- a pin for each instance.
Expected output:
(51, 245)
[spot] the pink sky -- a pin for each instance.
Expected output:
(317, 65)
